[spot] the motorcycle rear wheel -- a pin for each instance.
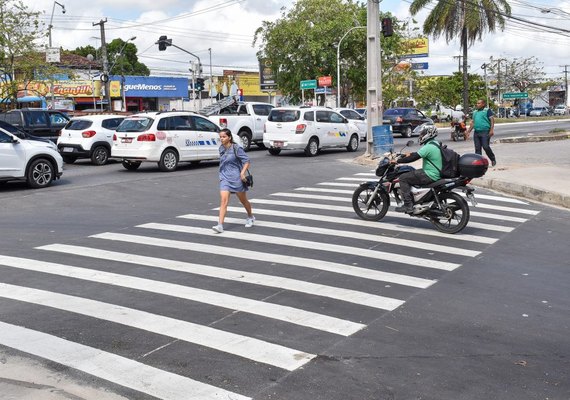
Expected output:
(378, 206)
(455, 213)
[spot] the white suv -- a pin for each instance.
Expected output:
(36, 162)
(166, 138)
(560, 109)
(309, 129)
(89, 136)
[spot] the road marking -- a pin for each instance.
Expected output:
(305, 244)
(320, 206)
(351, 296)
(240, 345)
(275, 258)
(344, 234)
(349, 200)
(111, 367)
(373, 224)
(264, 309)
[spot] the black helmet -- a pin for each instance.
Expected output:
(427, 132)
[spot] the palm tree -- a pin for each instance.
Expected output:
(466, 19)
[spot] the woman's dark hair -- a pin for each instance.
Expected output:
(228, 134)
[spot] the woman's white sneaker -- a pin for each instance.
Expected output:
(218, 228)
(249, 221)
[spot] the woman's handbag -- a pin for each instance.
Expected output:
(249, 177)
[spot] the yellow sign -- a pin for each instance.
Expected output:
(418, 47)
(115, 88)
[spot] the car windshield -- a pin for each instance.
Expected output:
(78, 124)
(135, 125)
(394, 111)
(284, 115)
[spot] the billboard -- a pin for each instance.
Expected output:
(413, 48)
(266, 76)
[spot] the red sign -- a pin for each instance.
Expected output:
(325, 81)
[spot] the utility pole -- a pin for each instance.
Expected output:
(374, 103)
(105, 76)
(566, 84)
(458, 62)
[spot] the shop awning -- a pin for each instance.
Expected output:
(27, 99)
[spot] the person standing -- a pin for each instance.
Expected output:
(233, 166)
(483, 122)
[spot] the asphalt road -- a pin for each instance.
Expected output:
(112, 285)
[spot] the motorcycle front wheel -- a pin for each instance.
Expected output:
(377, 208)
(454, 216)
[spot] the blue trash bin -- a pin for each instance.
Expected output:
(382, 139)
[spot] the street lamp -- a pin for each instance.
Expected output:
(211, 77)
(119, 55)
(51, 19)
(90, 58)
(338, 63)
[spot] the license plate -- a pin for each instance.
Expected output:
(277, 144)
(67, 150)
(126, 140)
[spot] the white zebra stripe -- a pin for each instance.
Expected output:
(264, 309)
(240, 345)
(345, 234)
(252, 237)
(111, 367)
(351, 296)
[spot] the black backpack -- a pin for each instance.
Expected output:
(449, 159)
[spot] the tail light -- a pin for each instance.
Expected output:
(300, 128)
(147, 137)
(399, 119)
(223, 123)
(88, 134)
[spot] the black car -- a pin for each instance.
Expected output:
(46, 124)
(404, 120)
(20, 133)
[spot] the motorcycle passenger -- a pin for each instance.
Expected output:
(428, 174)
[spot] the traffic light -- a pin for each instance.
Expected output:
(387, 29)
(199, 84)
(163, 43)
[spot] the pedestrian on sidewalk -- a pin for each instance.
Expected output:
(233, 166)
(483, 122)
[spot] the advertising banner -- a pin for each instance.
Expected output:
(418, 47)
(153, 86)
(266, 76)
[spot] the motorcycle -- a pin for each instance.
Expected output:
(459, 129)
(437, 202)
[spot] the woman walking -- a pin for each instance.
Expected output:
(233, 166)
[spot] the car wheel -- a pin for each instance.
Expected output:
(312, 148)
(40, 173)
(131, 165)
(274, 151)
(245, 139)
(353, 143)
(100, 155)
(69, 159)
(407, 132)
(168, 161)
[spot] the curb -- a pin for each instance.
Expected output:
(527, 192)
(541, 138)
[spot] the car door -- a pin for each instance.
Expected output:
(325, 129)
(260, 111)
(181, 129)
(12, 156)
(340, 128)
(208, 138)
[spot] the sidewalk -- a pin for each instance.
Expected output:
(535, 167)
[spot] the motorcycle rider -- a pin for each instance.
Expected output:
(431, 156)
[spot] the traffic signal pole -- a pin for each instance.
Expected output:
(163, 42)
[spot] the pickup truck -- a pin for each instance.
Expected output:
(246, 119)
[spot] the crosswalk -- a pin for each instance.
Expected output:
(263, 302)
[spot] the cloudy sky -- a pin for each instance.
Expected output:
(227, 28)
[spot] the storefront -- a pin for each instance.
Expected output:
(150, 93)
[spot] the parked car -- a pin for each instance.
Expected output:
(358, 120)
(538, 112)
(560, 109)
(166, 138)
(89, 136)
(244, 119)
(309, 129)
(42, 123)
(404, 120)
(14, 130)
(361, 111)
(36, 162)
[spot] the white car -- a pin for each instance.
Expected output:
(89, 136)
(309, 129)
(36, 162)
(358, 119)
(560, 109)
(166, 138)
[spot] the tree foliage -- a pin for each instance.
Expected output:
(302, 45)
(464, 20)
(447, 90)
(517, 74)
